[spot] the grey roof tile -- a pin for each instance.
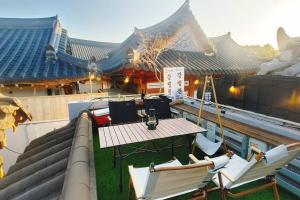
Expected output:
(38, 156)
(48, 144)
(54, 166)
(85, 49)
(34, 167)
(200, 64)
(23, 45)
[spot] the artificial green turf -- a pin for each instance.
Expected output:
(108, 177)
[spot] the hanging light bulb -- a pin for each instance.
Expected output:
(232, 89)
(92, 77)
(126, 80)
(196, 82)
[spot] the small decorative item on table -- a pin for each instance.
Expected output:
(152, 119)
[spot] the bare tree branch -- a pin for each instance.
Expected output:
(151, 48)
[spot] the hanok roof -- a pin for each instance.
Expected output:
(200, 64)
(23, 45)
(41, 50)
(58, 164)
(181, 25)
(190, 48)
(231, 54)
(85, 49)
(184, 27)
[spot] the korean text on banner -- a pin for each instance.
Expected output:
(174, 82)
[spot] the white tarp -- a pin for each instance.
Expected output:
(174, 82)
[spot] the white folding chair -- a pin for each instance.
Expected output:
(172, 178)
(264, 165)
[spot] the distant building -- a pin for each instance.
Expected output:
(38, 57)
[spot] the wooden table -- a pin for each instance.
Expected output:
(120, 135)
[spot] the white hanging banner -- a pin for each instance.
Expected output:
(174, 82)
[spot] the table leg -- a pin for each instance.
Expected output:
(121, 169)
(190, 143)
(172, 146)
(114, 157)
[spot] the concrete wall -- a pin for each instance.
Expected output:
(25, 133)
(53, 107)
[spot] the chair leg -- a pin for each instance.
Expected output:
(222, 189)
(129, 188)
(193, 147)
(224, 195)
(275, 189)
(201, 195)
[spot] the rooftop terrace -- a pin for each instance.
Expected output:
(68, 163)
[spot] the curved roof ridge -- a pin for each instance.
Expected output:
(226, 38)
(93, 42)
(182, 11)
(15, 23)
(119, 55)
(228, 34)
(70, 59)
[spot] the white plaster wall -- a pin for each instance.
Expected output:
(24, 134)
(75, 107)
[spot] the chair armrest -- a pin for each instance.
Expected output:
(293, 146)
(193, 159)
(228, 176)
(255, 150)
(229, 153)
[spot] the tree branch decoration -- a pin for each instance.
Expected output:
(149, 51)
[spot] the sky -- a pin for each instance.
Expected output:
(249, 21)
